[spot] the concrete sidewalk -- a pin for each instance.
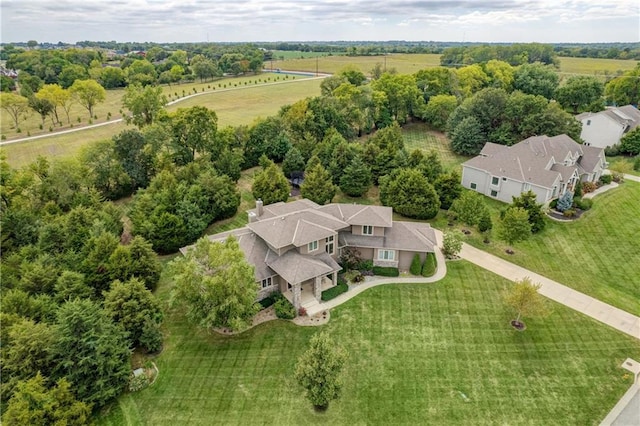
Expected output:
(612, 316)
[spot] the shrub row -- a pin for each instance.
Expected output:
(429, 266)
(583, 203)
(268, 301)
(386, 271)
(606, 179)
(334, 292)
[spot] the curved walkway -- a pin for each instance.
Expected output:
(610, 315)
(441, 271)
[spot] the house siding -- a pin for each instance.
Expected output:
(479, 177)
(406, 257)
(321, 248)
(602, 131)
(378, 231)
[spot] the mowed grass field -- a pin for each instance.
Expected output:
(403, 63)
(599, 254)
(595, 66)
(418, 135)
(442, 354)
(233, 107)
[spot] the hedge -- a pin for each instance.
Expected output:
(386, 271)
(416, 265)
(429, 266)
(268, 301)
(334, 292)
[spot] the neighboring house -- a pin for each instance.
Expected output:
(295, 246)
(605, 128)
(548, 166)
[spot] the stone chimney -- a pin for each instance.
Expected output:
(259, 205)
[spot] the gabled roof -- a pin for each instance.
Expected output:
(529, 160)
(280, 208)
(298, 228)
(296, 268)
(356, 214)
(591, 157)
(626, 115)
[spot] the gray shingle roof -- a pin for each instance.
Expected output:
(296, 268)
(356, 214)
(531, 159)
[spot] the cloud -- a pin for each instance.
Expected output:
(190, 20)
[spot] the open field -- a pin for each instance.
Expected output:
(441, 353)
(295, 54)
(598, 254)
(113, 104)
(233, 107)
(403, 63)
(593, 66)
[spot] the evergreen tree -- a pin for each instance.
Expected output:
(448, 188)
(429, 265)
(293, 162)
(485, 223)
(565, 202)
(356, 179)
(91, 352)
(318, 370)
(270, 185)
(470, 207)
(467, 137)
(318, 186)
(416, 265)
(409, 193)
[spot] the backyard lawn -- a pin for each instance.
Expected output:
(598, 254)
(441, 353)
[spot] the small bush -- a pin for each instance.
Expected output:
(284, 309)
(386, 271)
(588, 187)
(18, 130)
(429, 265)
(40, 126)
(353, 276)
(151, 337)
(334, 292)
(636, 164)
(612, 151)
(4, 137)
(606, 179)
(302, 312)
(365, 265)
(416, 265)
(584, 203)
(617, 177)
(138, 382)
(569, 213)
(268, 301)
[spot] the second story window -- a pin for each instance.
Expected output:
(367, 230)
(329, 244)
(312, 246)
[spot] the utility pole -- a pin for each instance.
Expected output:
(316, 66)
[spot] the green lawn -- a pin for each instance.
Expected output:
(595, 66)
(415, 350)
(421, 136)
(598, 254)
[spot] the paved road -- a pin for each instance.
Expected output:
(119, 120)
(610, 315)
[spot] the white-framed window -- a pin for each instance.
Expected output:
(312, 246)
(267, 282)
(386, 254)
(495, 180)
(473, 185)
(367, 230)
(494, 193)
(328, 247)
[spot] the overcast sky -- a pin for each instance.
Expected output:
(305, 20)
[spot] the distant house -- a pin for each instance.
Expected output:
(605, 128)
(548, 166)
(295, 247)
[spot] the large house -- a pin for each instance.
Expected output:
(548, 166)
(605, 128)
(295, 247)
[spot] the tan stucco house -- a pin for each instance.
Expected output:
(605, 128)
(295, 247)
(548, 166)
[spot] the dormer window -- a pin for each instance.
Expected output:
(312, 246)
(367, 230)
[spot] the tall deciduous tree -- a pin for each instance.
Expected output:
(524, 299)
(625, 89)
(318, 185)
(630, 143)
(448, 188)
(581, 92)
(16, 106)
(270, 185)
(88, 93)
(470, 207)
(536, 79)
(410, 194)
(144, 103)
(91, 352)
(319, 370)
(438, 110)
(58, 97)
(451, 243)
(194, 131)
(515, 225)
(215, 284)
